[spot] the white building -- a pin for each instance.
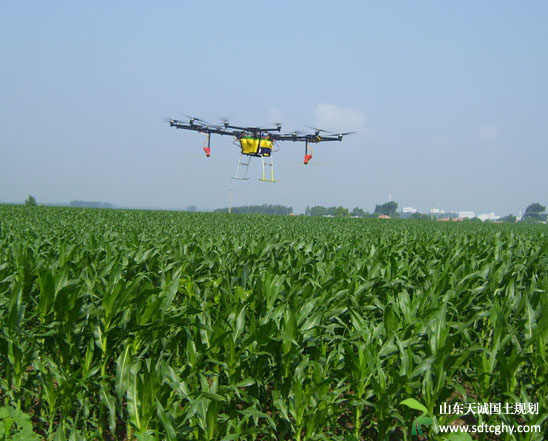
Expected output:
(467, 214)
(488, 217)
(409, 210)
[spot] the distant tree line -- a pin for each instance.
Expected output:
(258, 209)
(91, 204)
(534, 213)
(318, 210)
(389, 209)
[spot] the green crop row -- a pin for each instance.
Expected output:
(122, 325)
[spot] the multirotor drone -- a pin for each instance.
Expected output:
(256, 142)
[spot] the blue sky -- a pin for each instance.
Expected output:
(450, 101)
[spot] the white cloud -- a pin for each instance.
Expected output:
(486, 132)
(340, 119)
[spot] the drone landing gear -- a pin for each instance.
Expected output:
(242, 162)
(268, 163)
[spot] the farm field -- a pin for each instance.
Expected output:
(150, 325)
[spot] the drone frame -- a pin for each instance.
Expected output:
(256, 141)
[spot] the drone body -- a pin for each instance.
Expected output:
(255, 141)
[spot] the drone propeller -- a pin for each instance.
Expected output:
(192, 119)
(340, 135)
(172, 121)
(318, 131)
(225, 121)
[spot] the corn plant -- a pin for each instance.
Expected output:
(149, 325)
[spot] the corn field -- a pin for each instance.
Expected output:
(148, 325)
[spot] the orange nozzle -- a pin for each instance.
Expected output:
(207, 151)
(307, 158)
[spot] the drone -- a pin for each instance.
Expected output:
(256, 142)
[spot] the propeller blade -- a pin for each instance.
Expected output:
(194, 119)
(317, 130)
(225, 121)
(172, 121)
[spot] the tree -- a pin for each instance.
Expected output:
(419, 216)
(318, 210)
(509, 218)
(341, 212)
(31, 201)
(357, 212)
(388, 208)
(535, 212)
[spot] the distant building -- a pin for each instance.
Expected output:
(488, 217)
(467, 214)
(384, 216)
(410, 210)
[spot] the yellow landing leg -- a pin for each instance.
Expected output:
(268, 163)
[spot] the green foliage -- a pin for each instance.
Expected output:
(534, 208)
(420, 216)
(341, 212)
(357, 212)
(509, 218)
(126, 324)
(318, 210)
(388, 208)
(16, 425)
(535, 212)
(30, 201)
(327, 211)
